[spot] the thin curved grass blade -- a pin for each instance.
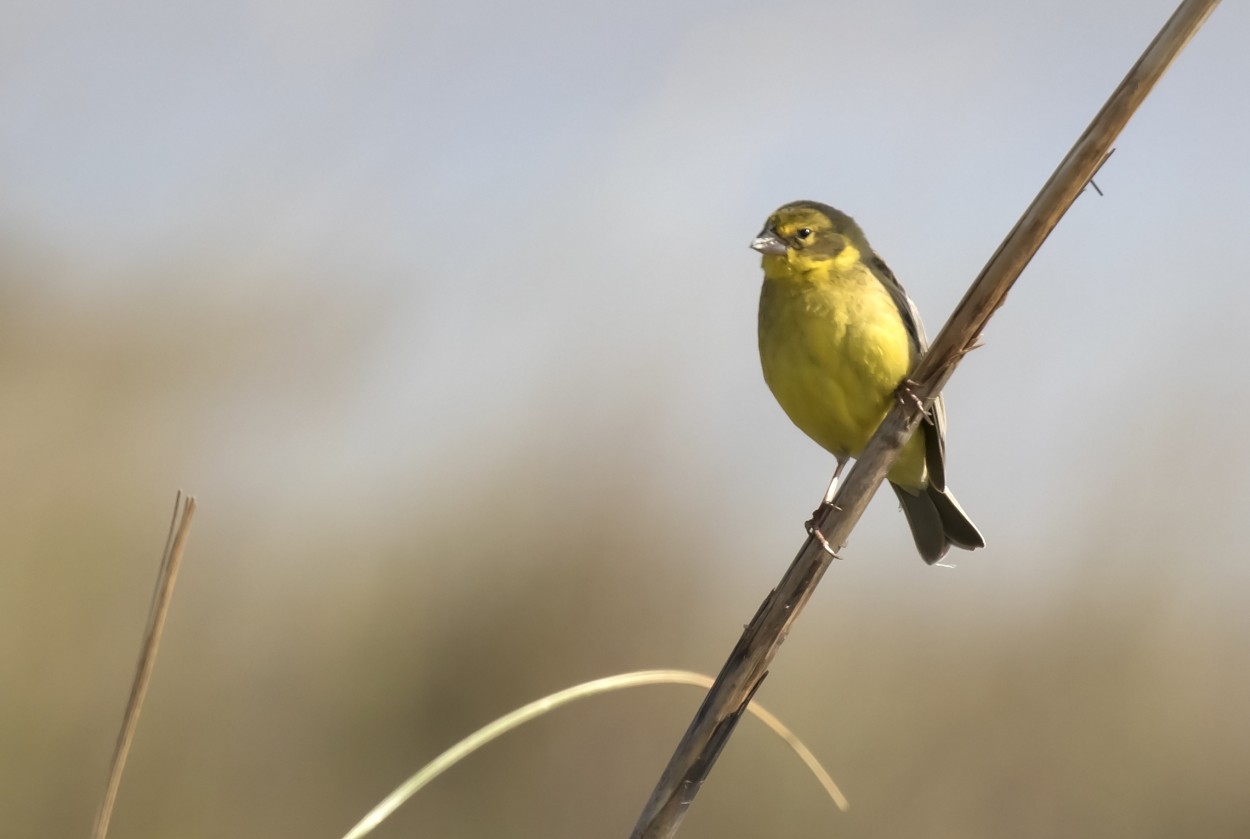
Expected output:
(539, 707)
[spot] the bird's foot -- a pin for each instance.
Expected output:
(905, 393)
(814, 531)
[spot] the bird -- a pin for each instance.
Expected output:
(838, 338)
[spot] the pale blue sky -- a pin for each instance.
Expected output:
(528, 227)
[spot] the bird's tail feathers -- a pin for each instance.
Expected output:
(937, 522)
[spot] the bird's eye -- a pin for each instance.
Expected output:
(804, 234)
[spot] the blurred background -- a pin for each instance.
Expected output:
(445, 314)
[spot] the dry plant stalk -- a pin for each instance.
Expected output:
(166, 575)
(748, 663)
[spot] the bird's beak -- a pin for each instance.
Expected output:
(768, 243)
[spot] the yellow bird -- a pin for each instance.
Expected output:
(838, 336)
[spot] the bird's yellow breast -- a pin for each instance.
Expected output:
(834, 349)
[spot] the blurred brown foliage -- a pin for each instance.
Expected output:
(324, 643)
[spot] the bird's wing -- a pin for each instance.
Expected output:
(935, 421)
(906, 308)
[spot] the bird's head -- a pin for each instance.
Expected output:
(807, 235)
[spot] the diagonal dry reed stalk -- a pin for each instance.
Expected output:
(162, 594)
(749, 660)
